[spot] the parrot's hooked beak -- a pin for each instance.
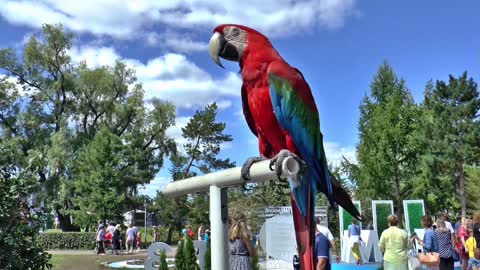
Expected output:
(220, 47)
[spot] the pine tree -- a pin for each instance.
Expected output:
(451, 132)
(163, 261)
(387, 153)
(204, 136)
(473, 176)
(180, 256)
(190, 256)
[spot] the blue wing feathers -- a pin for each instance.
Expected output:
(311, 149)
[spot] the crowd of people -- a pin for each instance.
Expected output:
(442, 244)
(441, 241)
(112, 238)
(202, 233)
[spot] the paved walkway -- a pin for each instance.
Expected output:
(88, 252)
(107, 252)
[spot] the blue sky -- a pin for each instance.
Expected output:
(337, 44)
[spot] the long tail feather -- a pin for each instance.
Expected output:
(343, 198)
(305, 233)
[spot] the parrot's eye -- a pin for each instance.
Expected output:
(235, 31)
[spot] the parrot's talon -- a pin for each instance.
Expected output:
(245, 172)
(280, 157)
(272, 164)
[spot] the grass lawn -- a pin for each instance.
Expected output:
(87, 262)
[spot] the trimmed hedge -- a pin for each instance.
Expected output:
(67, 240)
(55, 239)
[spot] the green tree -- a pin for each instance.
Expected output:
(190, 256)
(171, 212)
(387, 152)
(163, 261)
(204, 137)
(97, 173)
(18, 225)
(473, 175)
(180, 256)
(451, 139)
(63, 107)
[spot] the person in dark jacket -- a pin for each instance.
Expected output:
(476, 228)
(116, 239)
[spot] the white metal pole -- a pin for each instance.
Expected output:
(145, 222)
(219, 255)
(259, 172)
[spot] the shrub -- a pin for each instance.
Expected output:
(179, 257)
(19, 245)
(163, 261)
(67, 240)
(189, 255)
(255, 265)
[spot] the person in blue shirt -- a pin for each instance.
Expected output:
(206, 236)
(430, 240)
(322, 251)
(354, 236)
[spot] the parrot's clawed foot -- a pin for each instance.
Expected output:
(277, 161)
(247, 165)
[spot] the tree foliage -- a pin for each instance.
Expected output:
(55, 113)
(473, 182)
(190, 256)
(97, 172)
(451, 139)
(204, 137)
(19, 224)
(180, 255)
(387, 152)
(163, 261)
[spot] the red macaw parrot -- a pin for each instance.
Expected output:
(280, 110)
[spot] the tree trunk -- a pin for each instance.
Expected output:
(398, 202)
(65, 223)
(461, 188)
(399, 212)
(66, 220)
(170, 234)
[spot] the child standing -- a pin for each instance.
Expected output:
(470, 245)
(139, 241)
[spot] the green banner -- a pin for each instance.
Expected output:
(380, 211)
(346, 218)
(414, 210)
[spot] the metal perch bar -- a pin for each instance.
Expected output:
(259, 172)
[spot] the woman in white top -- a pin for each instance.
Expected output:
(130, 235)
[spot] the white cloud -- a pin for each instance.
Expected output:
(157, 184)
(94, 56)
(170, 77)
(125, 18)
(175, 132)
(335, 152)
(22, 90)
(175, 42)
